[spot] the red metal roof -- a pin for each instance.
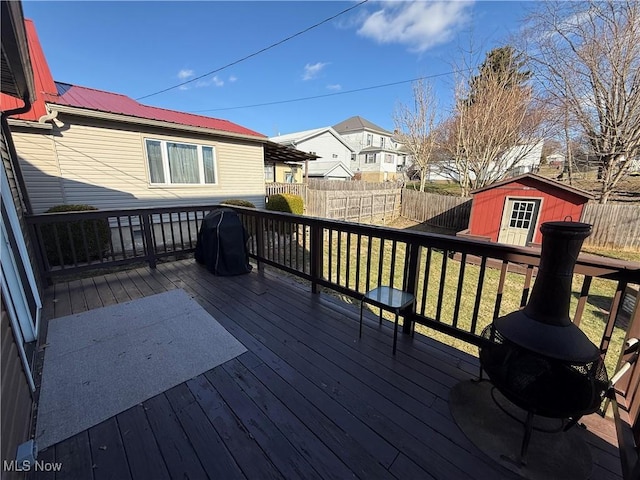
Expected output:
(48, 91)
(43, 81)
(99, 100)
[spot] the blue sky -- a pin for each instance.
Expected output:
(138, 48)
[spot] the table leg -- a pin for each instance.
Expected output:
(395, 333)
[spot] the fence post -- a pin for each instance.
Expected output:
(316, 256)
(411, 280)
(148, 240)
(259, 240)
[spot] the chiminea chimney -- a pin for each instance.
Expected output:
(544, 326)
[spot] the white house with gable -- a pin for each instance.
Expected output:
(324, 142)
(377, 155)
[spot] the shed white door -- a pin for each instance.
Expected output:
(519, 221)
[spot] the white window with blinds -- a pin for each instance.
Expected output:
(177, 163)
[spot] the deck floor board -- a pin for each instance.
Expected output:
(308, 400)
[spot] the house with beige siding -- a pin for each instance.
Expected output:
(82, 145)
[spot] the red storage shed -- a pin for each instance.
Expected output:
(512, 210)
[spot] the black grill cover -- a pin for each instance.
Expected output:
(222, 243)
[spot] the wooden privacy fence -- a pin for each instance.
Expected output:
(438, 210)
(316, 184)
(614, 225)
(356, 206)
(293, 188)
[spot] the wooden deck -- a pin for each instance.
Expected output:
(308, 399)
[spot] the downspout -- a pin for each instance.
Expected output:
(17, 171)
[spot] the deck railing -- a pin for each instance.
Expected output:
(460, 284)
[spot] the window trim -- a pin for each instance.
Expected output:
(165, 163)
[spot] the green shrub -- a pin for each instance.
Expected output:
(93, 243)
(286, 202)
(238, 202)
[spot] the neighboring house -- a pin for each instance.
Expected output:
(325, 143)
(81, 145)
(329, 171)
(555, 160)
(21, 304)
(515, 161)
(511, 211)
(377, 156)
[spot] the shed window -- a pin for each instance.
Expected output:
(180, 163)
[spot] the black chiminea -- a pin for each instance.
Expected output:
(538, 359)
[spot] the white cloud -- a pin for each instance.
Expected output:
(183, 87)
(215, 81)
(334, 86)
(311, 71)
(185, 74)
(232, 78)
(419, 25)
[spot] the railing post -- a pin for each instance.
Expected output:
(259, 232)
(40, 253)
(316, 256)
(411, 279)
(148, 239)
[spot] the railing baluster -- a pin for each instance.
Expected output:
(330, 254)
(527, 286)
(133, 237)
(380, 260)
(339, 257)
(582, 301)
(368, 284)
(317, 247)
(392, 270)
(124, 253)
(96, 235)
(58, 247)
(149, 245)
(456, 310)
(358, 251)
(189, 231)
(476, 306)
(181, 233)
(74, 257)
(503, 276)
(164, 237)
(614, 311)
(348, 264)
(425, 283)
(443, 277)
(82, 224)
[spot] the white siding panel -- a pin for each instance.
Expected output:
(38, 162)
(105, 166)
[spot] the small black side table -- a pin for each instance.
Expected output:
(387, 298)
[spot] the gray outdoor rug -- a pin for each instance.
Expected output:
(104, 361)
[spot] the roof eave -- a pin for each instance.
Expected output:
(17, 72)
(118, 117)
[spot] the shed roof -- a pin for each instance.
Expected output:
(536, 178)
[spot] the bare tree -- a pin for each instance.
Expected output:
(416, 127)
(496, 122)
(587, 54)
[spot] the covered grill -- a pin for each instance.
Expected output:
(538, 358)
